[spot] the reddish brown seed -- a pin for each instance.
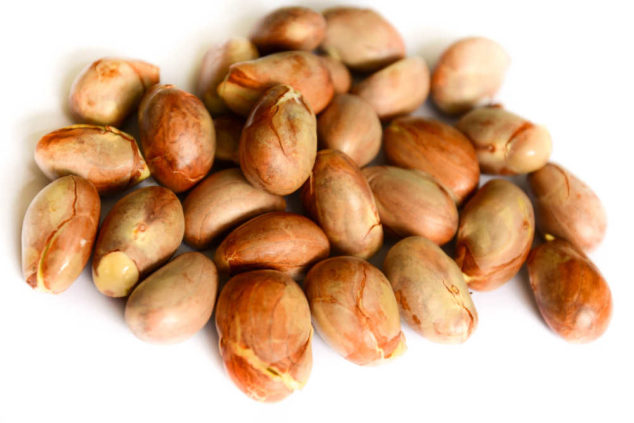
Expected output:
(109, 89)
(412, 203)
(304, 71)
(361, 38)
(350, 125)
(58, 232)
(222, 201)
(279, 141)
(177, 135)
(567, 208)
(105, 156)
(228, 130)
(494, 235)
(435, 148)
(571, 294)
(139, 234)
(175, 302)
(338, 196)
(354, 310)
(339, 73)
(289, 28)
(263, 322)
(287, 242)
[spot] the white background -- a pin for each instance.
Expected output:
(71, 358)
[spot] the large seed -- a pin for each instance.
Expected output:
(566, 207)
(397, 89)
(354, 310)
(109, 89)
(494, 235)
(431, 292)
(279, 141)
(506, 143)
(139, 234)
(338, 196)
(571, 294)
(349, 124)
(105, 156)
(289, 28)
(224, 200)
(177, 135)
(412, 203)
(58, 232)
(287, 242)
(175, 302)
(263, 322)
(435, 148)
(246, 81)
(468, 74)
(361, 38)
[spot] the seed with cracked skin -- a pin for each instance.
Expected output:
(570, 292)
(505, 143)
(495, 234)
(349, 124)
(279, 141)
(175, 302)
(397, 89)
(469, 73)
(411, 202)
(431, 292)
(246, 81)
(354, 310)
(139, 234)
(105, 156)
(228, 130)
(58, 232)
(361, 38)
(177, 135)
(289, 28)
(435, 148)
(263, 322)
(215, 66)
(567, 208)
(338, 196)
(222, 201)
(339, 73)
(287, 242)
(109, 89)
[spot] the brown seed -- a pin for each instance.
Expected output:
(222, 201)
(571, 294)
(494, 235)
(289, 28)
(339, 198)
(410, 202)
(354, 310)
(279, 141)
(287, 242)
(339, 73)
(246, 81)
(228, 130)
(263, 322)
(506, 143)
(397, 89)
(177, 135)
(361, 38)
(215, 66)
(58, 232)
(431, 292)
(349, 124)
(468, 74)
(435, 148)
(105, 156)
(139, 234)
(567, 208)
(175, 302)
(109, 89)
